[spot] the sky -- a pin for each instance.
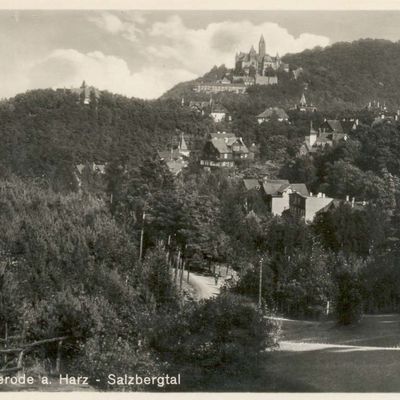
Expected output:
(144, 53)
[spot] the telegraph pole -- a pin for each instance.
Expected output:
(141, 237)
(260, 284)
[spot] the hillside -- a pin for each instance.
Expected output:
(341, 76)
(45, 133)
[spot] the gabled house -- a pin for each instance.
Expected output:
(306, 207)
(223, 150)
(218, 112)
(278, 113)
(330, 133)
(303, 106)
(200, 107)
(176, 159)
(276, 194)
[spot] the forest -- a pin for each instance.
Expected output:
(90, 260)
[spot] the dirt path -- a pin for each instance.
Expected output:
(204, 286)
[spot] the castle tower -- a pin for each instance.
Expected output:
(261, 47)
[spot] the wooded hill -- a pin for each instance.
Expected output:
(341, 76)
(45, 133)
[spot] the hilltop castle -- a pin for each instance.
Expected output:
(261, 62)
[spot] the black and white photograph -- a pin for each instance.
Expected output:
(200, 199)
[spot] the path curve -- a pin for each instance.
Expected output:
(204, 286)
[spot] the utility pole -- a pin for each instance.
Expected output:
(182, 272)
(141, 237)
(178, 259)
(260, 284)
(168, 247)
(182, 268)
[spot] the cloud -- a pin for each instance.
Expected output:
(160, 54)
(128, 29)
(69, 67)
(199, 49)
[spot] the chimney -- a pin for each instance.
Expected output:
(353, 200)
(319, 195)
(347, 198)
(323, 195)
(357, 122)
(311, 194)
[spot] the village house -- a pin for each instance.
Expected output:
(218, 112)
(224, 150)
(176, 159)
(269, 113)
(329, 133)
(306, 207)
(200, 107)
(251, 184)
(303, 106)
(276, 194)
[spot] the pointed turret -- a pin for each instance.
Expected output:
(303, 101)
(183, 148)
(313, 135)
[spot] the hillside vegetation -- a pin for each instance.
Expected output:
(341, 76)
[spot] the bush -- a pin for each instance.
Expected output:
(226, 334)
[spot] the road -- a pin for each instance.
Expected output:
(204, 286)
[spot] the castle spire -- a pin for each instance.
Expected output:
(261, 46)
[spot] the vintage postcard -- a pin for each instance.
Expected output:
(200, 198)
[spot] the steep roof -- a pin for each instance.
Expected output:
(176, 166)
(169, 154)
(272, 187)
(334, 124)
(183, 145)
(218, 108)
(221, 135)
(279, 112)
(251, 183)
(300, 188)
(220, 145)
